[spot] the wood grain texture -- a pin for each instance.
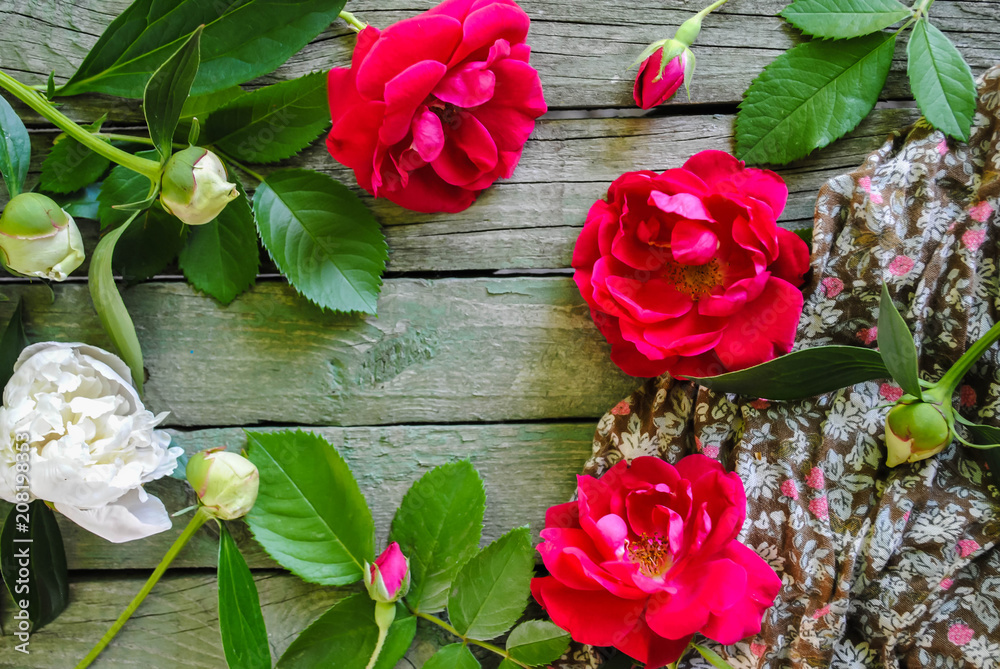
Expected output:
(526, 469)
(581, 49)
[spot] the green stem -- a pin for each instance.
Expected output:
(356, 24)
(385, 613)
(466, 640)
(954, 375)
(711, 8)
(147, 168)
(199, 519)
(235, 163)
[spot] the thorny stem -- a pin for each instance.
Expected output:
(482, 644)
(356, 24)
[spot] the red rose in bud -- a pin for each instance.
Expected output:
(648, 92)
(647, 556)
(437, 107)
(389, 578)
(687, 271)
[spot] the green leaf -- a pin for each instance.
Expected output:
(200, 106)
(243, 39)
(121, 187)
(941, 81)
(81, 204)
(15, 149)
(168, 88)
(14, 341)
(221, 258)
(805, 234)
(895, 343)
(454, 656)
(310, 515)
(344, 638)
(241, 623)
(71, 166)
(537, 642)
(841, 19)
(491, 590)
(323, 239)
(272, 123)
(438, 525)
(801, 374)
(810, 96)
(712, 657)
(150, 244)
(109, 305)
(34, 537)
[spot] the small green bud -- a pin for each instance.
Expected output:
(194, 187)
(226, 483)
(39, 239)
(917, 430)
(689, 30)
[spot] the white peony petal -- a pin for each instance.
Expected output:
(126, 519)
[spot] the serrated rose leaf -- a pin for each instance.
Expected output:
(537, 642)
(842, 19)
(454, 656)
(941, 81)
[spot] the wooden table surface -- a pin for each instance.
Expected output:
(482, 347)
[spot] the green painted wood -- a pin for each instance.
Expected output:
(526, 468)
(580, 48)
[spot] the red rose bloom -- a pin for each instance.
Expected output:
(647, 556)
(687, 271)
(436, 108)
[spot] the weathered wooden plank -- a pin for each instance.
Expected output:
(581, 49)
(532, 220)
(177, 625)
(526, 469)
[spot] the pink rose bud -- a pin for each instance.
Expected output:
(388, 580)
(653, 88)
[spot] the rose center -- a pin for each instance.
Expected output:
(695, 281)
(652, 554)
(447, 112)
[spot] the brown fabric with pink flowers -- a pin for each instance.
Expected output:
(880, 567)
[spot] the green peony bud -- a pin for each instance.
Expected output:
(194, 186)
(226, 483)
(917, 430)
(39, 239)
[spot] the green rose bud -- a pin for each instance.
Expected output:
(689, 30)
(226, 483)
(194, 187)
(917, 430)
(39, 239)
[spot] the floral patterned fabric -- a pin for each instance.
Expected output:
(881, 567)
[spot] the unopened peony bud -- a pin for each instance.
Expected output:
(226, 483)
(39, 239)
(195, 187)
(916, 431)
(388, 580)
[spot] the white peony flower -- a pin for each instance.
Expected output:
(92, 443)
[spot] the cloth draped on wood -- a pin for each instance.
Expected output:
(881, 567)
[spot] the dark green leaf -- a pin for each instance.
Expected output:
(618, 660)
(711, 656)
(344, 638)
(806, 234)
(221, 257)
(201, 106)
(32, 541)
(121, 187)
(537, 642)
(12, 343)
(15, 149)
(454, 656)
(81, 204)
(895, 343)
(801, 374)
(323, 239)
(491, 590)
(243, 39)
(840, 19)
(150, 244)
(50, 85)
(168, 88)
(109, 305)
(241, 623)
(941, 81)
(310, 515)
(272, 123)
(71, 166)
(438, 525)
(810, 96)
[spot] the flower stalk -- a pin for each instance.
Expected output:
(385, 613)
(356, 24)
(466, 640)
(200, 518)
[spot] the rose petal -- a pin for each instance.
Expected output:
(484, 26)
(762, 330)
(468, 151)
(651, 649)
(793, 258)
(424, 37)
(650, 301)
(743, 618)
(725, 174)
(428, 135)
(404, 93)
(592, 617)
(649, 93)
(710, 587)
(693, 243)
(468, 86)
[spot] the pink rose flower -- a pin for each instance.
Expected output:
(388, 579)
(960, 634)
(648, 556)
(687, 272)
(649, 93)
(437, 107)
